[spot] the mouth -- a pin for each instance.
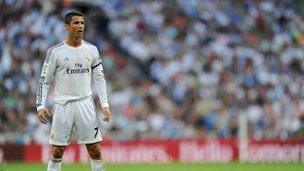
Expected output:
(80, 31)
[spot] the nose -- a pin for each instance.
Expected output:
(80, 25)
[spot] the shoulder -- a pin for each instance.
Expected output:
(55, 48)
(90, 45)
(52, 49)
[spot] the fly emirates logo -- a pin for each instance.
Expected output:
(78, 69)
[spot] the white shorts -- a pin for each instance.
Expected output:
(79, 114)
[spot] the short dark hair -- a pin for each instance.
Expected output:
(69, 15)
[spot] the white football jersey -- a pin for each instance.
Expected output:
(71, 68)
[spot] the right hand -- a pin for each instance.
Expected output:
(42, 115)
(107, 114)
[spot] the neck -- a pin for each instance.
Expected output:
(75, 42)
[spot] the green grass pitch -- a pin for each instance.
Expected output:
(162, 167)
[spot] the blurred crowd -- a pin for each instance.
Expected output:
(174, 69)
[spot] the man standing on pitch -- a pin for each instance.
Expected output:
(71, 64)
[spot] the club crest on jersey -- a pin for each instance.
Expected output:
(88, 60)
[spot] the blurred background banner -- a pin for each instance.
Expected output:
(163, 151)
(208, 76)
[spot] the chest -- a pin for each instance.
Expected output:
(77, 59)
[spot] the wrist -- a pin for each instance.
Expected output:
(40, 107)
(105, 104)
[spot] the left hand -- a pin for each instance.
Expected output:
(43, 114)
(106, 114)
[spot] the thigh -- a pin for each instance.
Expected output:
(62, 124)
(88, 130)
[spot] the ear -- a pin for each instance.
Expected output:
(67, 26)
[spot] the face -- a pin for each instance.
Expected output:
(76, 27)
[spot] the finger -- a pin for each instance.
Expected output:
(48, 113)
(106, 117)
(43, 119)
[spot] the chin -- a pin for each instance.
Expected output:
(79, 37)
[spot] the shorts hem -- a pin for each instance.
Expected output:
(90, 142)
(59, 144)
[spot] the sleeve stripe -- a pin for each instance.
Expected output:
(42, 87)
(96, 65)
(39, 95)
